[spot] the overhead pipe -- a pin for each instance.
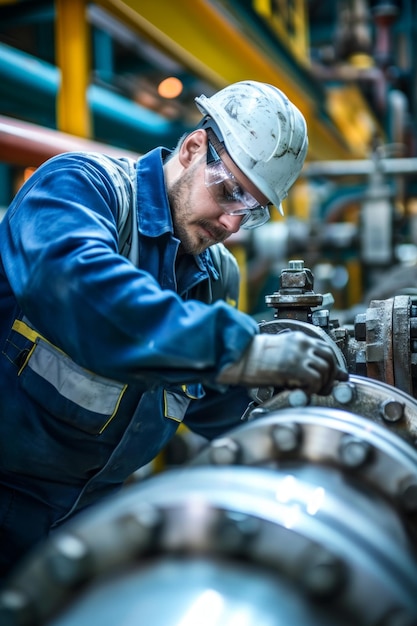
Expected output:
(116, 119)
(360, 167)
(25, 144)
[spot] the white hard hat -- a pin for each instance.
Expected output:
(263, 132)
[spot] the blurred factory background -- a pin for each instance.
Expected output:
(125, 74)
(307, 514)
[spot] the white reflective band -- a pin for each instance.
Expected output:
(84, 388)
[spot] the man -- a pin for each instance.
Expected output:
(116, 322)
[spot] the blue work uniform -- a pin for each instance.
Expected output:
(108, 339)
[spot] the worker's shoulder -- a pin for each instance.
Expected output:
(82, 159)
(119, 170)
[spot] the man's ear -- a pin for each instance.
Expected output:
(193, 147)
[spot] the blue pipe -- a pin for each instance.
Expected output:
(29, 87)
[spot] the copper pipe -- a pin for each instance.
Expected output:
(26, 144)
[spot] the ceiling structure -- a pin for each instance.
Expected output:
(93, 69)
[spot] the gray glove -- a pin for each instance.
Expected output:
(290, 359)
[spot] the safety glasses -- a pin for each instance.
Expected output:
(230, 195)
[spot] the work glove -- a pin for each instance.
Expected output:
(287, 360)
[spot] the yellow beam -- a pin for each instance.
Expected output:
(199, 36)
(289, 21)
(73, 56)
(130, 13)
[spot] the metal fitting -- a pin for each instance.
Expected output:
(68, 561)
(323, 574)
(343, 392)
(408, 493)
(392, 410)
(298, 397)
(353, 451)
(287, 437)
(15, 609)
(360, 327)
(224, 451)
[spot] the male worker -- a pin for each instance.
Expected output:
(115, 315)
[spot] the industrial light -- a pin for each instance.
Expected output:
(170, 87)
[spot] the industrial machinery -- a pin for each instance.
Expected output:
(381, 344)
(306, 514)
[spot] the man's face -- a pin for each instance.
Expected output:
(198, 220)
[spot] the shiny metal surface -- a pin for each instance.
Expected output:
(203, 592)
(246, 537)
(379, 402)
(381, 344)
(305, 514)
(301, 437)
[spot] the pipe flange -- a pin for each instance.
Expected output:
(327, 436)
(297, 531)
(377, 401)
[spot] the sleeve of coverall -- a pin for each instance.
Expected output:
(59, 252)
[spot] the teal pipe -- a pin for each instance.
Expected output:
(28, 91)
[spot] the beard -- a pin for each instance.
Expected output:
(184, 220)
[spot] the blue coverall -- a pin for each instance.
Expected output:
(102, 354)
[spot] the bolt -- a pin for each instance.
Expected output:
(296, 264)
(224, 451)
(139, 529)
(68, 560)
(297, 278)
(322, 573)
(340, 334)
(15, 609)
(298, 397)
(360, 327)
(147, 516)
(286, 437)
(408, 493)
(392, 410)
(343, 392)
(320, 318)
(360, 363)
(236, 530)
(353, 451)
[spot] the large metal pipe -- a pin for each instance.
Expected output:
(25, 144)
(305, 514)
(293, 518)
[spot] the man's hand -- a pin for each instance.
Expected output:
(288, 360)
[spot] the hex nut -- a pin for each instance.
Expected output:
(354, 452)
(224, 451)
(286, 437)
(392, 410)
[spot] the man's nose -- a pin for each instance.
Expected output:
(230, 222)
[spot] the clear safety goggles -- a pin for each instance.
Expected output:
(230, 195)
